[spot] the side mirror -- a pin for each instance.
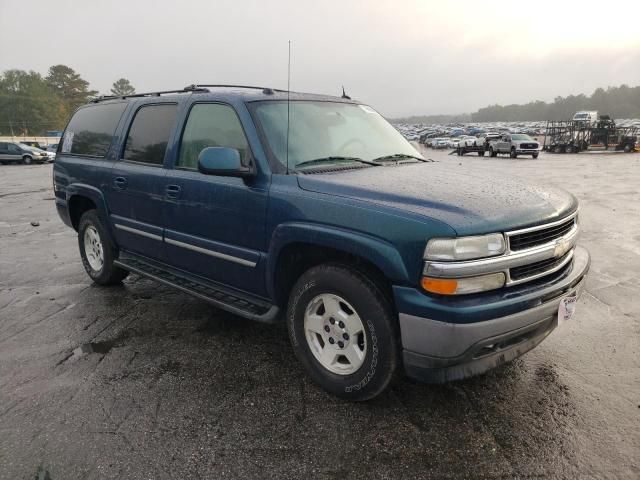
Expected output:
(222, 161)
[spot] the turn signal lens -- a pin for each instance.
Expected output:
(443, 286)
(460, 286)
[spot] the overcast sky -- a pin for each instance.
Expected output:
(402, 57)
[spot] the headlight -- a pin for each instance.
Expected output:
(465, 248)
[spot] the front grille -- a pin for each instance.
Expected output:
(528, 145)
(532, 269)
(540, 237)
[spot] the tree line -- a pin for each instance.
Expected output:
(31, 104)
(617, 102)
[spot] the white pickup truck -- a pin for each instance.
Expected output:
(514, 144)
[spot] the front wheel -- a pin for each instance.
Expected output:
(534, 155)
(97, 252)
(27, 160)
(492, 152)
(343, 331)
(513, 153)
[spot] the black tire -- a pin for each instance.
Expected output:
(481, 154)
(460, 152)
(27, 160)
(109, 274)
(492, 152)
(513, 153)
(534, 155)
(568, 149)
(627, 148)
(382, 355)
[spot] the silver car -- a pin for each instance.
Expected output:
(11, 152)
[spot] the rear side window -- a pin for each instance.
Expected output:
(149, 133)
(211, 125)
(91, 129)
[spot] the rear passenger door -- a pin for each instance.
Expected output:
(136, 181)
(214, 225)
(14, 153)
(505, 143)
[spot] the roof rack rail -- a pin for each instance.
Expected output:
(264, 89)
(188, 89)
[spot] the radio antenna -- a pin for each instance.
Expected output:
(288, 102)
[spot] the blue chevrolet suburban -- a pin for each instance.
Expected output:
(314, 211)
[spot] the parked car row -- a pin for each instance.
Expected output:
(16, 152)
(421, 132)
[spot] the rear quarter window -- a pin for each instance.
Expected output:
(90, 130)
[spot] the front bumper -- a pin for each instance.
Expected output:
(437, 350)
(527, 151)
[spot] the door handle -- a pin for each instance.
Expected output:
(120, 183)
(173, 191)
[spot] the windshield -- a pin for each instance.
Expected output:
(320, 130)
(520, 137)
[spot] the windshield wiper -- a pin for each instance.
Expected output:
(396, 157)
(335, 159)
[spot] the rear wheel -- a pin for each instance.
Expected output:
(568, 149)
(97, 252)
(343, 331)
(492, 152)
(627, 148)
(27, 160)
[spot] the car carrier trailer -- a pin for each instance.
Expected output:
(576, 136)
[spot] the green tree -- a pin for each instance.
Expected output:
(122, 87)
(618, 102)
(69, 86)
(27, 104)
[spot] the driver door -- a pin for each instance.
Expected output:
(215, 225)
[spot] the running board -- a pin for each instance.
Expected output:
(239, 303)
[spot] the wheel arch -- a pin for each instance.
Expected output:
(80, 198)
(297, 247)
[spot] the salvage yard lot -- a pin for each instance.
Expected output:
(142, 381)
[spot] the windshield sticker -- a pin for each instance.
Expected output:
(67, 142)
(367, 108)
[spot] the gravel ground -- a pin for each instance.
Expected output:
(141, 381)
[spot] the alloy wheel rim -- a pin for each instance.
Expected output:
(335, 334)
(93, 248)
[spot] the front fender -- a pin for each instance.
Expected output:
(380, 253)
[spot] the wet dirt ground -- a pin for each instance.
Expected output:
(140, 381)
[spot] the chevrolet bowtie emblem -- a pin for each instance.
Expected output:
(563, 245)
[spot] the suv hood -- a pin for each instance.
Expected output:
(470, 202)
